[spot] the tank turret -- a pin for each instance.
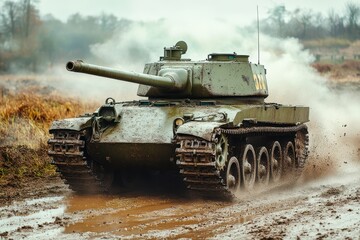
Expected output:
(220, 75)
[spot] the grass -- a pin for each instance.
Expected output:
(333, 50)
(349, 69)
(327, 43)
(25, 118)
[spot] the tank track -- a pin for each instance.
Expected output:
(196, 157)
(67, 152)
(196, 160)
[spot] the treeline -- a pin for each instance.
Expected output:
(34, 44)
(305, 24)
(31, 43)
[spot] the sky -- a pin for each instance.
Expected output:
(243, 12)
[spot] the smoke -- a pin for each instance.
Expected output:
(143, 42)
(89, 88)
(334, 116)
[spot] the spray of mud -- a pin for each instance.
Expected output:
(334, 129)
(334, 115)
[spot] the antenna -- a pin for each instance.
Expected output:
(258, 30)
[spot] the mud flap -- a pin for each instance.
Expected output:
(74, 124)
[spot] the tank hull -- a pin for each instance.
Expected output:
(144, 136)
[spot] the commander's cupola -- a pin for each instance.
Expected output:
(174, 53)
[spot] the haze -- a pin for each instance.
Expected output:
(241, 12)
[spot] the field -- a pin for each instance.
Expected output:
(26, 112)
(346, 72)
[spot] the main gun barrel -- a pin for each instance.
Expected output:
(171, 79)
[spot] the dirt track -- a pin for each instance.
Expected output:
(325, 208)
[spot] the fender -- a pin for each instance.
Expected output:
(274, 113)
(76, 124)
(199, 129)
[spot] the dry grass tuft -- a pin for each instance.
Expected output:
(25, 118)
(41, 110)
(351, 65)
(19, 162)
(347, 71)
(322, 67)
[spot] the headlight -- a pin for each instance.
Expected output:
(107, 112)
(177, 123)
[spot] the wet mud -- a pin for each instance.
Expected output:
(319, 209)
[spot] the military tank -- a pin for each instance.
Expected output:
(207, 120)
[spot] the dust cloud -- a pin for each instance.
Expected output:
(334, 116)
(89, 88)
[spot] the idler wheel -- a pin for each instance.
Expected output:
(233, 175)
(263, 170)
(276, 161)
(248, 166)
(221, 151)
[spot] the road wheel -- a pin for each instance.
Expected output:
(263, 170)
(248, 166)
(289, 163)
(276, 161)
(233, 175)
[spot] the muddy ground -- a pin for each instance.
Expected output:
(325, 208)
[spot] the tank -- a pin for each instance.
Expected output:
(205, 120)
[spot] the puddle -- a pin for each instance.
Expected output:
(139, 216)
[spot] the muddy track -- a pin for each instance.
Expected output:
(81, 174)
(324, 209)
(202, 170)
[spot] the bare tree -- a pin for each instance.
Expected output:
(353, 17)
(336, 24)
(277, 18)
(9, 18)
(305, 20)
(20, 24)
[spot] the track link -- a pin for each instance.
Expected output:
(196, 160)
(196, 156)
(67, 151)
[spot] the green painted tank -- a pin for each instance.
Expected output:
(207, 120)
